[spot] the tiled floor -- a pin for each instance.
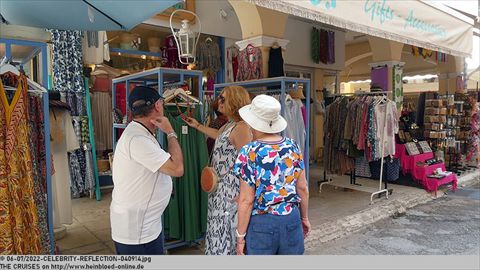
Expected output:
(90, 231)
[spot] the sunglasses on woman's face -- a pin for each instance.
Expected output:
(221, 99)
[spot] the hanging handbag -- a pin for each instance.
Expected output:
(392, 169)
(209, 177)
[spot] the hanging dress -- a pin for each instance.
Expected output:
(19, 232)
(185, 217)
(222, 209)
(39, 162)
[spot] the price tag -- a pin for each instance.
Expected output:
(184, 130)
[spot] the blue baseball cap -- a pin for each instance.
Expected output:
(142, 93)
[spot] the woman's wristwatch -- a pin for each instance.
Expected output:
(172, 135)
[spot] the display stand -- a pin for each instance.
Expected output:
(285, 85)
(39, 48)
(156, 77)
(353, 184)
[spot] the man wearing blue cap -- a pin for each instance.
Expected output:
(142, 173)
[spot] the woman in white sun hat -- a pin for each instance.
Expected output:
(273, 203)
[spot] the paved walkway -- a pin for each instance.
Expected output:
(447, 226)
(334, 213)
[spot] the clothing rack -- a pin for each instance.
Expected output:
(286, 84)
(353, 184)
(359, 94)
(40, 50)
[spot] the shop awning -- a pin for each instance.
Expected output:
(92, 15)
(419, 23)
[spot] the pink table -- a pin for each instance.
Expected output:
(419, 173)
(408, 163)
(432, 184)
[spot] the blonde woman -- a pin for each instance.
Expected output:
(220, 238)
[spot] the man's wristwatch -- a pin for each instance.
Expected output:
(172, 135)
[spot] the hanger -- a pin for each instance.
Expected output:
(275, 45)
(208, 39)
(380, 100)
(36, 87)
(5, 67)
(250, 47)
(170, 95)
(288, 98)
(9, 68)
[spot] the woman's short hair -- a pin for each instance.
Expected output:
(235, 98)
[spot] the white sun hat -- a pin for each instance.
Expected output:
(264, 115)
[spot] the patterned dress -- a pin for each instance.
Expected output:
(222, 209)
(19, 231)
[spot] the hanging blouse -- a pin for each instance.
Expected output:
(95, 47)
(324, 46)
(386, 114)
(296, 127)
(208, 56)
(275, 63)
(250, 64)
(232, 64)
(171, 52)
(331, 47)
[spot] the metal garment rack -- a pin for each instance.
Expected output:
(40, 48)
(152, 77)
(155, 77)
(286, 84)
(353, 184)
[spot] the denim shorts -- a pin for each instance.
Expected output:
(268, 234)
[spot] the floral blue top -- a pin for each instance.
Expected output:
(273, 168)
